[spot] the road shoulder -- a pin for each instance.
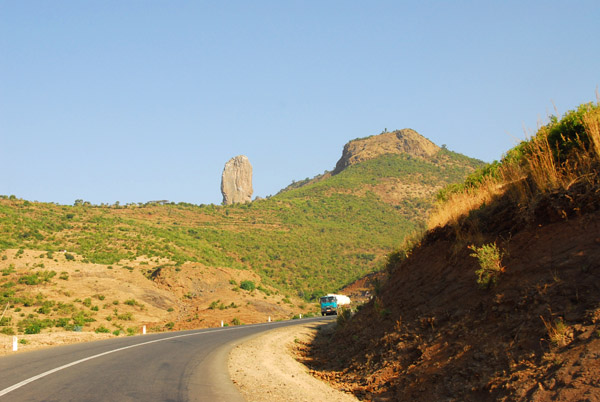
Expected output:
(264, 368)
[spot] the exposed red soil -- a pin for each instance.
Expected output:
(361, 290)
(432, 333)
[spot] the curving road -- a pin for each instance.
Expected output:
(174, 366)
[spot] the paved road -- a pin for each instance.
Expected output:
(174, 366)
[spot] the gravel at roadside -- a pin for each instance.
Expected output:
(264, 369)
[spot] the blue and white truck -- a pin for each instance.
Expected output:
(330, 304)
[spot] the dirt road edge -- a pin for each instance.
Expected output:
(264, 368)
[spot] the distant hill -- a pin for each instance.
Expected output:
(401, 142)
(312, 238)
(400, 168)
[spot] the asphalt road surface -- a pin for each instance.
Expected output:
(174, 366)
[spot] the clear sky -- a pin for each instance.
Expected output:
(134, 101)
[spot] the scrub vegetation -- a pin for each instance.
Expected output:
(306, 240)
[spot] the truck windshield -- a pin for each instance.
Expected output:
(327, 299)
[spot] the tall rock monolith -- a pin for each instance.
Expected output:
(236, 181)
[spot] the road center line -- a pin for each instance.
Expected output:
(54, 370)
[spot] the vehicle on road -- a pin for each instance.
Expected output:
(331, 303)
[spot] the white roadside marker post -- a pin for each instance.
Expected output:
(144, 330)
(15, 344)
(300, 316)
(221, 323)
(269, 318)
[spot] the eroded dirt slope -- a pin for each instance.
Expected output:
(433, 334)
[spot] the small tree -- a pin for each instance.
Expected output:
(490, 261)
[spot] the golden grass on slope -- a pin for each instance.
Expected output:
(537, 172)
(459, 204)
(592, 126)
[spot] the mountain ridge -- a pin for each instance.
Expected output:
(405, 143)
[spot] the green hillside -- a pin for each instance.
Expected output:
(308, 240)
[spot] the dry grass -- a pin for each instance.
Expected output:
(559, 333)
(459, 204)
(542, 167)
(592, 126)
(525, 178)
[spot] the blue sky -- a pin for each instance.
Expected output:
(133, 101)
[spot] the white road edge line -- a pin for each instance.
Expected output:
(44, 374)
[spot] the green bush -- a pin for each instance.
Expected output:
(61, 322)
(564, 134)
(31, 280)
(102, 329)
(34, 325)
(37, 277)
(9, 270)
(490, 263)
(248, 285)
(46, 307)
(81, 318)
(125, 316)
(68, 308)
(264, 290)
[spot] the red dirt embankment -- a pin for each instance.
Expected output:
(432, 333)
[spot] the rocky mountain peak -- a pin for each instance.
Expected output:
(406, 141)
(236, 181)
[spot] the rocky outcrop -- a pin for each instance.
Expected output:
(405, 141)
(236, 181)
